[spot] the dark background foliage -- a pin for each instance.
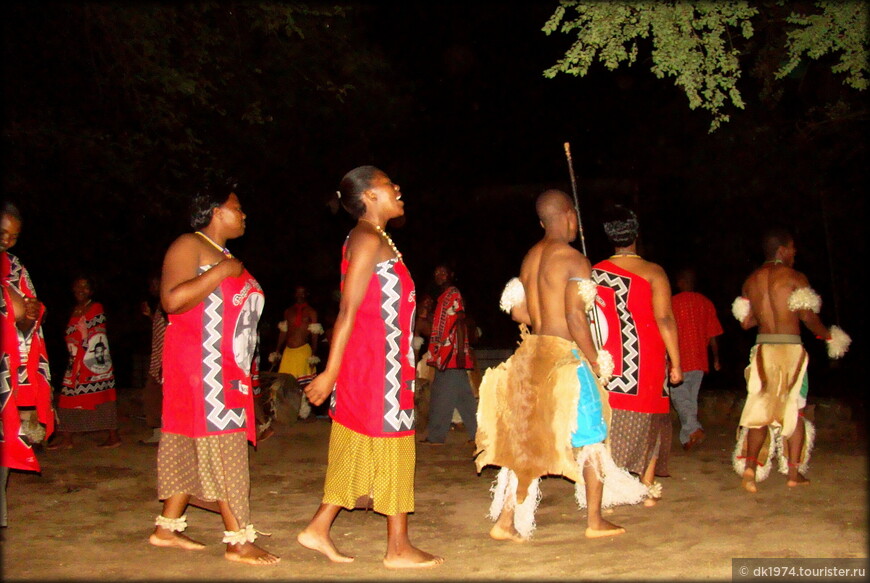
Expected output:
(115, 113)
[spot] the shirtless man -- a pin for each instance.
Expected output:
(777, 299)
(553, 307)
(297, 344)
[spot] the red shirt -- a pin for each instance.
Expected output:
(696, 324)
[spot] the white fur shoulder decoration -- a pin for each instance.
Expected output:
(839, 342)
(513, 294)
(282, 325)
(315, 328)
(588, 290)
(804, 298)
(740, 308)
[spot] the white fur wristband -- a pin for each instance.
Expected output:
(605, 366)
(839, 342)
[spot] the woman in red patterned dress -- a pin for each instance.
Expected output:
(370, 375)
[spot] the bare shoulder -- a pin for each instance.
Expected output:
(362, 240)
(186, 245)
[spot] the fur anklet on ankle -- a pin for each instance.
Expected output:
(173, 524)
(241, 536)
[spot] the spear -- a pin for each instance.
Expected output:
(574, 192)
(596, 326)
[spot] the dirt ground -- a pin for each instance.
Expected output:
(89, 515)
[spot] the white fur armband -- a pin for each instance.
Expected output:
(274, 357)
(512, 295)
(313, 360)
(741, 308)
(804, 298)
(588, 290)
(605, 366)
(282, 325)
(315, 328)
(839, 342)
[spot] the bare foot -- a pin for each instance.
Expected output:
(499, 533)
(251, 554)
(798, 481)
(323, 545)
(60, 444)
(110, 443)
(162, 537)
(411, 558)
(651, 501)
(748, 482)
(604, 529)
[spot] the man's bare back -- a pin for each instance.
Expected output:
(768, 289)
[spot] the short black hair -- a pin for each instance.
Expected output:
(620, 225)
(11, 210)
(353, 184)
(212, 195)
(773, 239)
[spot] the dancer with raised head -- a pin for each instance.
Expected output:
(369, 375)
(778, 299)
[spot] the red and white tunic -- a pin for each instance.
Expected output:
(207, 356)
(624, 312)
(374, 392)
(89, 380)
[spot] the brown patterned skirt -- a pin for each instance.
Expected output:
(635, 438)
(208, 468)
(104, 416)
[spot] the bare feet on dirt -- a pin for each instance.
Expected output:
(411, 558)
(800, 480)
(748, 482)
(603, 529)
(162, 537)
(499, 533)
(322, 544)
(250, 554)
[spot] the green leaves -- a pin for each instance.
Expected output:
(697, 43)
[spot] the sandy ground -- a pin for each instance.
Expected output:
(89, 515)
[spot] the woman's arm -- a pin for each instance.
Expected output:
(181, 288)
(362, 254)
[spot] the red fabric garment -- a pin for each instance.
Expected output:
(696, 324)
(207, 362)
(16, 453)
(297, 316)
(630, 334)
(374, 392)
(90, 379)
(444, 350)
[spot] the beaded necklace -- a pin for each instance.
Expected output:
(223, 250)
(386, 238)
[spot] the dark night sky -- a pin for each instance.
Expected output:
(479, 135)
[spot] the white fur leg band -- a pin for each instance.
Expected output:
(605, 366)
(512, 295)
(839, 342)
(241, 536)
(740, 308)
(173, 524)
(804, 298)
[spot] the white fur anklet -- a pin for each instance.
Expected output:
(241, 536)
(172, 524)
